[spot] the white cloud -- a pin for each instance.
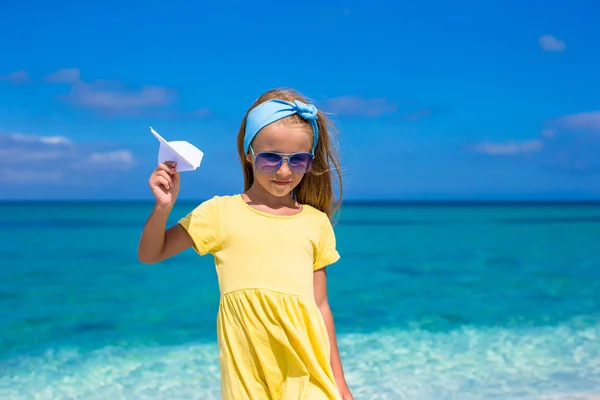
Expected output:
(121, 157)
(112, 98)
(16, 77)
(548, 133)
(511, 147)
(35, 158)
(28, 176)
(201, 113)
(359, 106)
(587, 121)
(64, 75)
(52, 140)
(20, 148)
(550, 43)
(107, 97)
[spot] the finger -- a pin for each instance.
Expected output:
(165, 175)
(169, 183)
(166, 167)
(176, 177)
(163, 172)
(162, 181)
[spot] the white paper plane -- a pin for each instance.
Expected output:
(187, 156)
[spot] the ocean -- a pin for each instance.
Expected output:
(431, 302)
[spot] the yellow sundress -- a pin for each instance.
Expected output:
(272, 338)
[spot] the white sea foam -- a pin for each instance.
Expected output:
(561, 362)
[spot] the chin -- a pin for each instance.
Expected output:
(277, 190)
(280, 191)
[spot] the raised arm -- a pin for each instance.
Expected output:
(157, 242)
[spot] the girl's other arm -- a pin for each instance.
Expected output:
(320, 288)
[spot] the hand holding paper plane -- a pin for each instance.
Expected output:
(186, 155)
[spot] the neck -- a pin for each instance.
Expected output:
(258, 195)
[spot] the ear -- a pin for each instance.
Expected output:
(249, 157)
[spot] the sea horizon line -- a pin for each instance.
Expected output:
(349, 202)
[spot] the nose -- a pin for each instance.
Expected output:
(284, 170)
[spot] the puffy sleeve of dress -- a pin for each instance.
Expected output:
(326, 253)
(203, 226)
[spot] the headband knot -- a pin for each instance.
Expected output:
(273, 110)
(306, 111)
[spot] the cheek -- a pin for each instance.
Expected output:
(260, 177)
(297, 178)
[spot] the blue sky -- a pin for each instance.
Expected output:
(433, 99)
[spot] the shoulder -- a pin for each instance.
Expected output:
(217, 202)
(220, 199)
(316, 216)
(325, 250)
(204, 223)
(209, 211)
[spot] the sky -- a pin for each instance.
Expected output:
(433, 100)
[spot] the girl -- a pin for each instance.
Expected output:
(271, 245)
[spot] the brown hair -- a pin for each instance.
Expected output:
(316, 187)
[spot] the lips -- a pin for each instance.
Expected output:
(281, 183)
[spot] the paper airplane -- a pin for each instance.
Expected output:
(187, 156)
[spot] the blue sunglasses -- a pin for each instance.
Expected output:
(269, 162)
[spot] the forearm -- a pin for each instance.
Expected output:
(152, 240)
(336, 362)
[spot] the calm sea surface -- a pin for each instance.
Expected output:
(431, 302)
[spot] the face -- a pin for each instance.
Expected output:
(283, 139)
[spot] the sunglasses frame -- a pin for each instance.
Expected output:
(284, 158)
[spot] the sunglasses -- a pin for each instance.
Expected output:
(269, 162)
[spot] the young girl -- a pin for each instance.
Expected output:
(271, 245)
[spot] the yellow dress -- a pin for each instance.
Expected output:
(272, 338)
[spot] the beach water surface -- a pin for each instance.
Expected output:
(430, 301)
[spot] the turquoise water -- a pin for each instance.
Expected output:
(431, 302)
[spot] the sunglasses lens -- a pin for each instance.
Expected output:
(268, 163)
(301, 162)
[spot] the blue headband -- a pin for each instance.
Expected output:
(274, 110)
